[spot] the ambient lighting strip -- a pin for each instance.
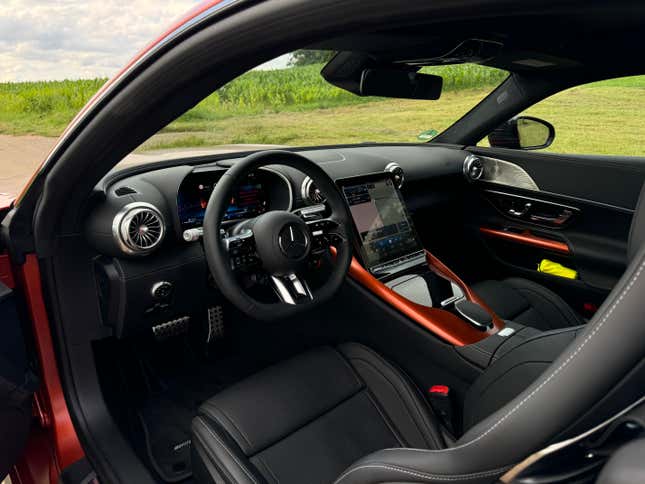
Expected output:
(527, 238)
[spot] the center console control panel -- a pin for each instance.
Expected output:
(393, 259)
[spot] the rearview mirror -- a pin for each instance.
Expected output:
(523, 133)
(400, 84)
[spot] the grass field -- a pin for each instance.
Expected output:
(296, 107)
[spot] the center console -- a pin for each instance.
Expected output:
(392, 263)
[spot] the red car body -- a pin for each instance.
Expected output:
(53, 444)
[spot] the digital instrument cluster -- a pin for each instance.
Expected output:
(249, 198)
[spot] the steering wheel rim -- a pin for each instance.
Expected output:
(219, 260)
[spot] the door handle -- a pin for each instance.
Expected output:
(521, 212)
(557, 220)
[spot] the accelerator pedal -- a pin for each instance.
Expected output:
(215, 324)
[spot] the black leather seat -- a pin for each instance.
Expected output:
(309, 418)
(528, 303)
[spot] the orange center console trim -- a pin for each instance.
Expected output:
(440, 322)
(527, 238)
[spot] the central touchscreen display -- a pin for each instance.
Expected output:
(382, 222)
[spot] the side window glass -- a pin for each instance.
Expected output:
(602, 118)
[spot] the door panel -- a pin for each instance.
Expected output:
(17, 382)
(610, 180)
(584, 227)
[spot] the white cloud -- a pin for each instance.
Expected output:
(73, 39)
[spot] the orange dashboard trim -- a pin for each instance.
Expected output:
(440, 322)
(527, 238)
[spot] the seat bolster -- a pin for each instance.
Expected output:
(547, 303)
(528, 303)
(414, 466)
(397, 396)
(218, 460)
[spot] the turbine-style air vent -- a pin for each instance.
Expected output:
(138, 228)
(398, 174)
(473, 167)
(310, 193)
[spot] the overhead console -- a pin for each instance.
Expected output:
(394, 265)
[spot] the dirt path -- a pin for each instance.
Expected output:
(19, 158)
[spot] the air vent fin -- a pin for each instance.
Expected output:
(123, 191)
(138, 228)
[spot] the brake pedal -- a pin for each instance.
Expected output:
(171, 328)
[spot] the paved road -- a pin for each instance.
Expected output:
(20, 156)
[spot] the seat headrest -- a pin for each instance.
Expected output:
(637, 230)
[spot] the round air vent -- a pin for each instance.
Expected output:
(138, 228)
(310, 193)
(473, 167)
(399, 174)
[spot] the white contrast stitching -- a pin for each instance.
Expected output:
(552, 375)
(423, 475)
(246, 471)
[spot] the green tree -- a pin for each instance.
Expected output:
(305, 57)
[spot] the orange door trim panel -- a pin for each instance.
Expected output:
(440, 322)
(67, 446)
(527, 238)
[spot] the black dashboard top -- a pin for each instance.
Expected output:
(179, 188)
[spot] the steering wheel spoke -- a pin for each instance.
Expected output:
(291, 289)
(324, 233)
(241, 251)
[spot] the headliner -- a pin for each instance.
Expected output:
(601, 39)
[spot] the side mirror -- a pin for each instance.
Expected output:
(523, 133)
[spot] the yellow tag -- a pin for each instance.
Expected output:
(549, 267)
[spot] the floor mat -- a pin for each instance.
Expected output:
(176, 387)
(166, 428)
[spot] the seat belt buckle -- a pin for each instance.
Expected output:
(441, 403)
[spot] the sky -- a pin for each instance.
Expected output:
(81, 39)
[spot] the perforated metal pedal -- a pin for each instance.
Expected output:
(215, 324)
(171, 328)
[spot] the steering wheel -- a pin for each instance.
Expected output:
(282, 243)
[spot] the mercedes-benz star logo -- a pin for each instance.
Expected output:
(293, 241)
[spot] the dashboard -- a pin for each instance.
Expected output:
(172, 200)
(149, 271)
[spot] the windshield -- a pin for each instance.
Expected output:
(284, 102)
(287, 103)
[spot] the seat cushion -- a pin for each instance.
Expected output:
(527, 303)
(310, 416)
